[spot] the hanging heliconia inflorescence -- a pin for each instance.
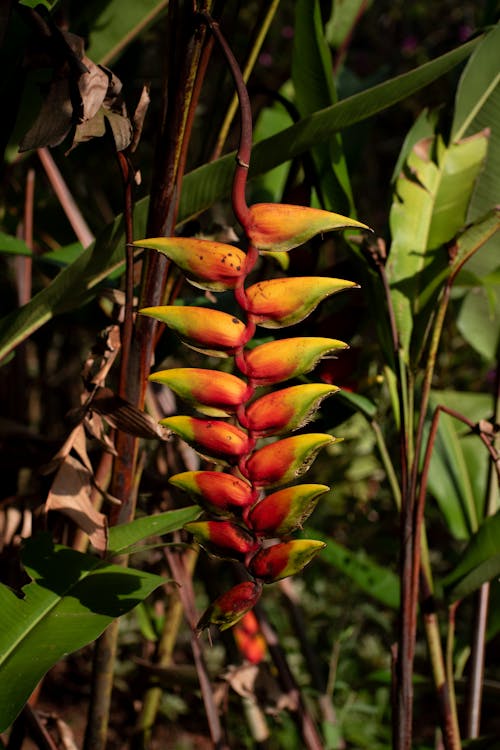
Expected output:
(251, 507)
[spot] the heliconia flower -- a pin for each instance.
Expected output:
(277, 303)
(285, 460)
(207, 264)
(230, 607)
(210, 331)
(213, 392)
(287, 409)
(279, 227)
(223, 538)
(249, 639)
(281, 360)
(211, 438)
(285, 510)
(216, 492)
(284, 559)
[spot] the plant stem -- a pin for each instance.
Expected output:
(240, 207)
(475, 687)
(249, 65)
(152, 697)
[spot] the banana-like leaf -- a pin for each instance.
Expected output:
(71, 599)
(117, 24)
(459, 464)
(480, 561)
(125, 536)
(429, 209)
(381, 583)
(314, 88)
(76, 284)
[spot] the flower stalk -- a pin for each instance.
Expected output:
(253, 506)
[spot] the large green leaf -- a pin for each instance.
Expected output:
(377, 581)
(118, 23)
(480, 561)
(121, 538)
(71, 600)
(458, 471)
(207, 184)
(431, 198)
(314, 90)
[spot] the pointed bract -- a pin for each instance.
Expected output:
(285, 510)
(207, 264)
(279, 227)
(287, 409)
(216, 492)
(285, 559)
(285, 460)
(281, 360)
(277, 303)
(214, 439)
(212, 391)
(230, 607)
(223, 538)
(211, 331)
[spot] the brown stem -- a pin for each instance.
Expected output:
(475, 687)
(240, 207)
(178, 568)
(68, 204)
(310, 735)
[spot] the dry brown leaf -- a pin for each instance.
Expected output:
(70, 494)
(124, 416)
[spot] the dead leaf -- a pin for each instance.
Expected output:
(54, 120)
(70, 494)
(93, 87)
(124, 416)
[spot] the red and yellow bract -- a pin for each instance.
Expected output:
(251, 520)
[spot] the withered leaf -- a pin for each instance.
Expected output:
(54, 119)
(122, 415)
(93, 87)
(70, 494)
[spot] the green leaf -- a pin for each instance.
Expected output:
(478, 83)
(478, 107)
(118, 23)
(13, 245)
(71, 600)
(314, 90)
(431, 198)
(478, 319)
(49, 4)
(204, 186)
(344, 16)
(121, 538)
(379, 582)
(480, 561)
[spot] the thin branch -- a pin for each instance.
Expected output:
(177, 565)
(310, 735)
(240, 206)
(68, 204)
(249, 66)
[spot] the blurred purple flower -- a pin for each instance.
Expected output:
(464, 32)
(409, 44)
(266, 59)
